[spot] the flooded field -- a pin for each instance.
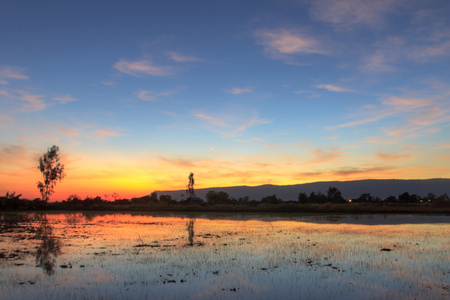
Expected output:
(204, 256)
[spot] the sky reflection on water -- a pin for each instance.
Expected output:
(219, 256)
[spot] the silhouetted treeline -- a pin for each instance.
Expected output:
(220, 200)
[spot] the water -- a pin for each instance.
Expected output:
(249, 256)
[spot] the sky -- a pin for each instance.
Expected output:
(138, 94)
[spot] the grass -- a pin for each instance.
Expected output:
(250, 256)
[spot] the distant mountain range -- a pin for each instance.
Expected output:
(382, 188)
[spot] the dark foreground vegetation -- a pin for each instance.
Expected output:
(332, 202)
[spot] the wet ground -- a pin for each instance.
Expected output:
(145, 256)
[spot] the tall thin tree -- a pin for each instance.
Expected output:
(190, 187)
(52, 171)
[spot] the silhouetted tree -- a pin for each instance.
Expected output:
(391, 199)
(214, 197)
(115, 196)
(317, 198)
(52, 170)
(443, 197)
(302, 198)
(154, 197)
(190, 187)
(74, 201)
(334, 195)
(11, 201)
(365, 197)
(166, 199)
(271, 200)
(407, 198)
(431, 197)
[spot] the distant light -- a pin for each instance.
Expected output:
(210, 149)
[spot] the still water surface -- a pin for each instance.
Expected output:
(248, 256)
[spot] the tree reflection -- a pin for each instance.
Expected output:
(73, 219)
(190, 229)
(49, 248)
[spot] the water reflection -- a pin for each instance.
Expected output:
(190, 230)
(49, 248)
(223, 256)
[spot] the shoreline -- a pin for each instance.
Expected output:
(330, 208)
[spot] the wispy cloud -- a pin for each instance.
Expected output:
(154, 96)
(237, 90)
(406, 103)
(390, 53)
(333, 88)
(411, 116)
(211, 120)
(394, 157)
(254, 121)
(283, 43)
(104, 133)
(5, 117)
(65, 99)
(33, 102)
(425, 53)
(147, 95)
(446, 146)
(325, 155)
(376, 116)
(349, 14)
(311, 94)
(231, 125)
(376, 171)
(68, 131)
(178, 162)
(178, 57)
(17, 156)
(390, 106)
(142, 67)
(8, 72)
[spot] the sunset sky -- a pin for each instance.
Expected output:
(138, 94)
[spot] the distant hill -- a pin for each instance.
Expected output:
(382, 188)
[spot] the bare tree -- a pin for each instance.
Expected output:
(52, 170)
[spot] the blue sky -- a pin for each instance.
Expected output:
(138, 94)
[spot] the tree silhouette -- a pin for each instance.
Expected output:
(334, 195)
(52, 170)
(190, 187)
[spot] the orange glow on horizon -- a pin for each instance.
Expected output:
(88, 176)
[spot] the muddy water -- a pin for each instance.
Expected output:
(157, 256)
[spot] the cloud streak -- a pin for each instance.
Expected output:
(392, 52)
(8, 72)
(32, 102)
(104, 133)
(178, 57)
(238, 91)
(350, 14)
(333, 88)
(230, 125)
(65, 99)
(145, 95)
(283, 42)
(142, 67)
